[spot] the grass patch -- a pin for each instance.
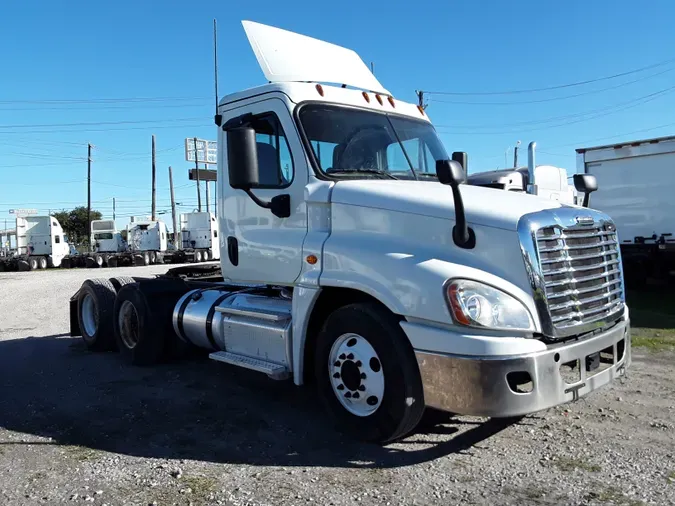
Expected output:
(654, 340)
(200, 486)
(613, 496)
(569, 465)
(81, 453)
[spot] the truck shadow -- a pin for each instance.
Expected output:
(196, 409)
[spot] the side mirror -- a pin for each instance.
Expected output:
(242, 167)
(587, 184)
(242, 158)
(462, 158)
(450, 172)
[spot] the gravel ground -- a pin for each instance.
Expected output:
(83, 428)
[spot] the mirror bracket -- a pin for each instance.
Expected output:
(280, 205)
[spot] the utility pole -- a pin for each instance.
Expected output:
(199, 191)
(208, 198)
(173, 210)
(113, 208)
(154, 186)
(89, 197)
(420, 99)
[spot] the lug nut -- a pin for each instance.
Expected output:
(350, 356)
(348, 395)
(362, 388)
(336, 375)
(340, 387)
(342, 356)
(356, 395)
(358, 363)
(363, 375)
(338, 363)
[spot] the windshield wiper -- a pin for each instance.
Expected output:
(364, 171)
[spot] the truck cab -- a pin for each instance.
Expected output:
(387, 284)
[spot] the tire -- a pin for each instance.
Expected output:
(66, 263)
(90, 262)
(120, 281)
(153, 257)
(33, 263)
(42, 263)
(146, 258)
(143, 321)
(198, 256)
(99, 260)
(393, 378)
(95, 305)
(23, 265)
(112, 261)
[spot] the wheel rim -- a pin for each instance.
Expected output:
(43, 263)
(128, 324)
(99, 260)
(89, 315)
(356, 374)
(33, 264)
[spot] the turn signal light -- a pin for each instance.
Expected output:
(312, 259)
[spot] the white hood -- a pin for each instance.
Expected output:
(483, 206)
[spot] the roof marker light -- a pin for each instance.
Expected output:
(420, 109)
(391, 101)
(365, 95)
(379, 99)
(319, 88)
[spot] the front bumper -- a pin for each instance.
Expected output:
(499, 386)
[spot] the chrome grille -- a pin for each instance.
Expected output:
(580, 267)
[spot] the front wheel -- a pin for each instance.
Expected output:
(367, 375)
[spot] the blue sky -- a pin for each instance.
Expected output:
(99, 55)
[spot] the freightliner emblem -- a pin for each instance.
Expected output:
(584, 220)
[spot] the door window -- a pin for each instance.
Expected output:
(274, 155)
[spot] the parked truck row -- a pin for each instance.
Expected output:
(41, 243)
(385, 284)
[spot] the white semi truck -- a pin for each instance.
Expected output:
(40, 242)
(637, 181)
(346, 269)
(148, 240)
(546, 181)
(106, 242)
(198, 241)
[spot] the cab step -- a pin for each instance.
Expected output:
(274, 371)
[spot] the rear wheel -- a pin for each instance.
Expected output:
(42, 262)
(367, 375)
(153, 257)
(33, 263)
(146, 258)
(112, 261)
(198, 256)
(99, 260)
(95, 306)
(120, 281)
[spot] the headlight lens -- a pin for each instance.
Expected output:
(477, 305)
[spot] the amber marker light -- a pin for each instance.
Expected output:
(312, 259)
(319, 88)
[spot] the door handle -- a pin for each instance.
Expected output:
(233, 250)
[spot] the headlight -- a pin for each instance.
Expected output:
(477, 305)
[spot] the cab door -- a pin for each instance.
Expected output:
(256, 245)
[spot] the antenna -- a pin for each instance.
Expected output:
(218, 118)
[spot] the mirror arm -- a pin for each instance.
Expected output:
(462, 235)
(280, 205)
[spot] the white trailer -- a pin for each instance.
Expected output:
(199, 241)
(40, 243)
(387, 288)
(148, 239)
(637, 182)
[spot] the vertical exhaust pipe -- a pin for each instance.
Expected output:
(531, 187)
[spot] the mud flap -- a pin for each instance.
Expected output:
(74, 320)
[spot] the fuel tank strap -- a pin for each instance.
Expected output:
(209, 318)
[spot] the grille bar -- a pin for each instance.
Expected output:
(581, 274)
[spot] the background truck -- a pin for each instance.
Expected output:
(147, 241)
(198, 239)
(40, 243)
(106, 242)
(346, 269)
(637, 181)
(551, 182)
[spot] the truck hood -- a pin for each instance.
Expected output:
(483, 206)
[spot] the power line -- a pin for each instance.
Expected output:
(102, 100)
(557, 87)
(99, 123)
(553, 99)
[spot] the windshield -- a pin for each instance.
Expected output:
(370, 144)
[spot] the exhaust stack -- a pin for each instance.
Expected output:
(531, 187)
